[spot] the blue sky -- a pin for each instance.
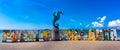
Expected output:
(37, 14)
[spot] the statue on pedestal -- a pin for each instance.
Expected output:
(55, 33)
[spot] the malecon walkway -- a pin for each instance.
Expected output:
(62, 45)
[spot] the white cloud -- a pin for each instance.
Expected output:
(9, 23)
(6, 19)
(114, 23)
(80, 24)
(103, 19)
(62, 27)
(25, 26)
(72, 20)
(98, 18)
(96, 24)
(26, 17)
(100, 22)
(87, 25)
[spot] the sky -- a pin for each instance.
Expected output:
(38, 14)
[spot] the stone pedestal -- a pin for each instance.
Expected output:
(55, 34)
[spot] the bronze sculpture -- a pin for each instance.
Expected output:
(56, 25)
